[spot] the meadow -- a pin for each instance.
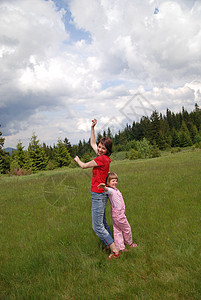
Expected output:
(49, 251)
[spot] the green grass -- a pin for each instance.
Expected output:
(49, 251)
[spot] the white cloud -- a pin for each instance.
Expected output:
(54, 85)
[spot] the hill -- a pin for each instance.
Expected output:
(10, 150)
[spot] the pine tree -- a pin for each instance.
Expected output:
(37, 155)
(161, 141)
(109, 133)
(62, 155)
(1, 140)
(154, 127)
(169, 119)
(175, 138)
(197, 117)
(184, 136)
(69, 147)
(137, 131)
(184, 139)
(19, 155)
(27, 162)
(99, 136)
(4, 157)
(193, 131)
(122, 138)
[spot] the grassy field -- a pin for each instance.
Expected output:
(49, 251)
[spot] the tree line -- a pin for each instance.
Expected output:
(142, 139)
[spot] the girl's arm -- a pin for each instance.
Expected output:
(103, 186)
(93, 138)
(86, 165)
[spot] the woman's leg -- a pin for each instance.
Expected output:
(105, 222)
(99, 223)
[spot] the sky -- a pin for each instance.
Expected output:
(65, 62)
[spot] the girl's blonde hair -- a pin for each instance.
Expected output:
(110, 176)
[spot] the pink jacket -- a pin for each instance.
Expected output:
(116, 201)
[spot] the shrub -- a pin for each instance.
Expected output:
(155, 152)
(51, 165)
(19, 172)
(73, 164)
(132, 154)
(144, 148)
(176, 150)
(198, 145)
(197, 138)
(86, 157)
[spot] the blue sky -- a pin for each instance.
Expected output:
(75, 33)
(65, 62)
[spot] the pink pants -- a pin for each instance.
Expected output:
(121, 230)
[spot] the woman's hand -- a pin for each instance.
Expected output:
(89, 164)
(76, 159)
(94, 122)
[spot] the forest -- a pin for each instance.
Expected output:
(146, 138)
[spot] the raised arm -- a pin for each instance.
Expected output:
(89, 164)
(93, 138)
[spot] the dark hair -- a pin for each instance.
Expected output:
(107, 143)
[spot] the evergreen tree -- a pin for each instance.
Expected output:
(116, 138)
(69, 147)
(175, 138)
(184, 127)
(161, 141)
(137, 131)
(37, 155)
(1, 140)
(193, 131)
(74, 150)
(104, 133)
(4, 157)
(99, 136)
(109, 133)
(128, 132)
(122, 138)
(27, 162)
(184, 139)
(154, 127)
(185, 116)
(177, 120)
(165, 131)
(81, 150)
(19, 155)
(197, 138)
(62, 155)
(145, 127)
(184, 136)
(169, 119)
(197, 117)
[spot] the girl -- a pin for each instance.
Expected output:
(121, 227)
(100, 167)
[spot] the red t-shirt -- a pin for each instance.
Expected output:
(100, 172)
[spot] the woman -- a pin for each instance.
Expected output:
(100, 165)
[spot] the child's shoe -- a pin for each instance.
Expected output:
(133, 245)
(113, 256)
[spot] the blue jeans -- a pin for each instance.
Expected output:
(99, 223)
